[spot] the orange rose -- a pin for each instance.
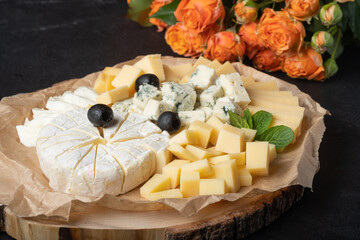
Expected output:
(279, 32)
(245, 13)
(248, 34)
(224, 46)
(128, 1)
(155, 6)
(302, 10)
(199, 15)
(267, 60)
(306, 63)
(187, 43)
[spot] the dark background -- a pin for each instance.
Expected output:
(47, 41)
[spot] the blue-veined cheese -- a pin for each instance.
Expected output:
(187, 117)
(209, 96)
(222, 106)
(180, 97)
(123, 106)
(203, 77)
(145, 93)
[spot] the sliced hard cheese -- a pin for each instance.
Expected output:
(226, 68)
(249, 134)
(219, 159)
(200, 61)
(189, 183)
(203, 132)
(212, 186)
(200, 166)
(289, 100)
(200, 152)
(215, 64)
(127, 76)
(217, 124)
(172, 193)
(173, 170)
(114, 95)
(170, 75)
(257, 158)
(269, 93)
(272, 152)
(228, 171)
(181, 70)
(245, 176)
(247, 80)
(181, 152)
(159, 182)
(152, 64)
(108, 75)
(230, 140)
(270, 86)
(100, 85)
(277, 106)
(214, 152)
(185, 137)
(294, 117)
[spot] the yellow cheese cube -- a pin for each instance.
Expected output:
(200, 152)
(114, 95)
(173, 170)
(257, 158)
(239, 157)
(214, 186)
(181, 70)
(230, 140)
(200, 166)
(214, 152)
(269, 86)
(152, 64)
(127, 76)
(185, 137)
(157, 183)
(226, 68)
(228, 171)
(200, 61)
(245, 176)
(247, 80)
(215, 64)
(203, 132)
(289, 100)
(219, 159)
(170, 75)
(189, 183)
(100, 85)
(217, 124)
(249, 134)
(185, 79)
(181, 152)
(272, 152)
(163, 157)
(172, 193)
(108, 74)
(269, 93)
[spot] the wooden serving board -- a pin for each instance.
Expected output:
(223, 220)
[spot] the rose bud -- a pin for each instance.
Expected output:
(330, 14)
(321, 40)
(245, 11)
(330, 67)
(302, 10)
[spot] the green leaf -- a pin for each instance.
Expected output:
(280, 136)
(237, 121)
(166, 13)
(248, 118)
(261, 121)
(316, 25)
(139, 12)
(339, 49)
(354, 18)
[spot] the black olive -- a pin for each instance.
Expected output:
(169, 121)
(148, 78)
(100, 115)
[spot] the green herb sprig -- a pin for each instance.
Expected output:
(280, 136)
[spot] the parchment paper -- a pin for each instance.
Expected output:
(25, 189)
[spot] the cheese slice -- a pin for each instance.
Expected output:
(228, 171)
(181, 70)
(114, 95)
(226, 68)
(152, 64)
(173, 170)
(217, 124)
(270, 86)
(289, 100)
(170, 75)
(157, 183)
(215, 64)
(247, 81)
(212, 186)
(189, 183)
(127, 77)
(200, 166)
(269, 93)
(257, 158)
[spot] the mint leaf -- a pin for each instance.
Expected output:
(248, 118)
(261, 121)
(281, 136)
(166, 13)
(237, 121)
(139, 12)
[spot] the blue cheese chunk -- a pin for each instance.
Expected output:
(208, 112)
(234, 88)
(210, 95)
(188, 117)
(179, 97)
(222, 106)
(145, 93)
(203, 77)
(123, 106)
(154, 108)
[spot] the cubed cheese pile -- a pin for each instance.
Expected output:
(211, 158)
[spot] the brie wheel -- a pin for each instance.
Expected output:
(77, 159)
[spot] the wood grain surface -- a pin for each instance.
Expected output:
(235, 223)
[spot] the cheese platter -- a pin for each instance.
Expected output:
(161, 135)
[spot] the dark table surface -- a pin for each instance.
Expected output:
(46, 41)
